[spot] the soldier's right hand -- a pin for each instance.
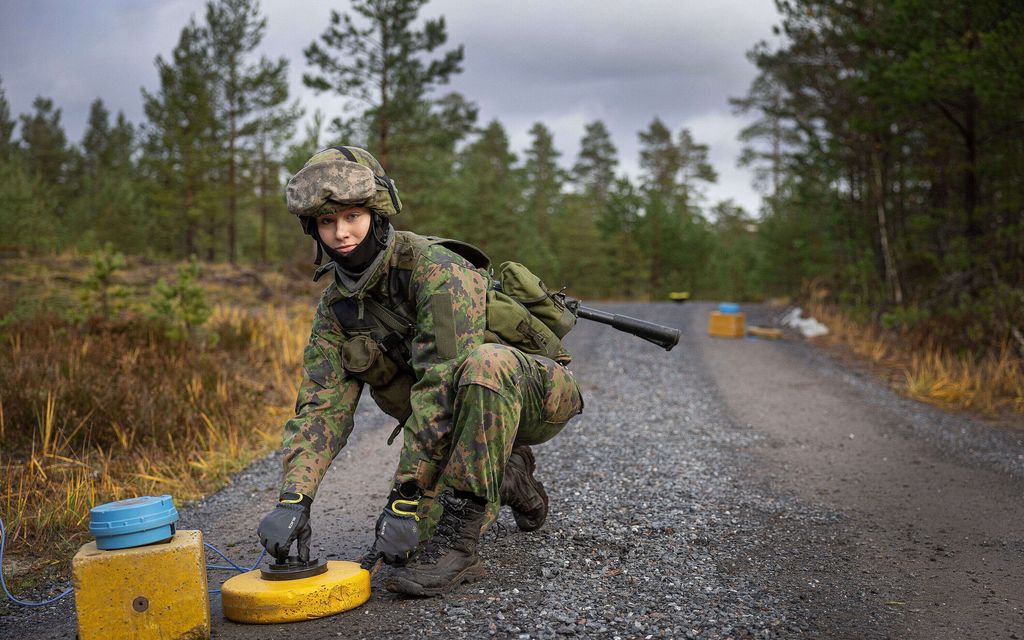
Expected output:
(287, 523)
(397, 531)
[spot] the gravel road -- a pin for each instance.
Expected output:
(726, 489)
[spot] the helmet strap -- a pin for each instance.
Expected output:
(309, 227)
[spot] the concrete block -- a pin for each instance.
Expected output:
(156, 591)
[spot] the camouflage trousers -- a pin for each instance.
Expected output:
(503, 397)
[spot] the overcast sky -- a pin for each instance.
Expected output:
(562, 63)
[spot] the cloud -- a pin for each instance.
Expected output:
(562, 63)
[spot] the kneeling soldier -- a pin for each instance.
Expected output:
(407, 315)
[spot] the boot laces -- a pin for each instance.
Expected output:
(447, 532)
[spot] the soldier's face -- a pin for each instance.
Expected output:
(344, 229)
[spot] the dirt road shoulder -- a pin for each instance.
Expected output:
(932, 503)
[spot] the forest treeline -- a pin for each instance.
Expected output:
(887, 137)
(890, 139)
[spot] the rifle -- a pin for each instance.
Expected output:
(664, 337)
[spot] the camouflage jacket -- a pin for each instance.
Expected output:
(446, 296)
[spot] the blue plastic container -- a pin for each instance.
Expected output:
(133, 522)
(728, 307)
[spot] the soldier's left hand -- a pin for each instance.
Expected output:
(397, 531)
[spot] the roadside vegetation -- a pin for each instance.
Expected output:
(920, 367)
(120, 379)
(888, 149)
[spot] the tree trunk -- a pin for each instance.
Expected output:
(232, 196)
(190, 225)
(891, 273)
(263, 205)
(383, 125)
(776, 158)
(971, 189)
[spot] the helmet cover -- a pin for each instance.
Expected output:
(329, 177)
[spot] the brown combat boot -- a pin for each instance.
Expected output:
(450, 557)
(521, 491)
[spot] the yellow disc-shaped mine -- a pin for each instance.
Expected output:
(249, 598)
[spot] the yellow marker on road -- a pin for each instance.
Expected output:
(253, 599)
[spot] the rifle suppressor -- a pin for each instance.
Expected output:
(664, 337)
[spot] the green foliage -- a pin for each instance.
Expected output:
(673, 231)
(543, 182)
(100, 296)
(181, 150)
(490, 195)
(733, 267)
(595, 166)
(255, 121)
(7, 146)
(26, 223)
(904, 317)
(891, 147)
(180, 306)
(383, 67)
(888, 147)
(107, 206)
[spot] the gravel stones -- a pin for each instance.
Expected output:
(658, 525)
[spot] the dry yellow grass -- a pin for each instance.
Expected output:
(89, 415)
(921, 369)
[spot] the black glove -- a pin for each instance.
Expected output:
(288, 522)
(398, 535)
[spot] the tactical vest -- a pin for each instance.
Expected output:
(521, 313)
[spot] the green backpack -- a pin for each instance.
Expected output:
(525, 314)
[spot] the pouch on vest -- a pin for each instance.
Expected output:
(362, 358)
(522, 285)
(393, 398)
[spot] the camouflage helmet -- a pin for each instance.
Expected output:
(342, 175)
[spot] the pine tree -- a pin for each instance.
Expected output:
(311, 142)
(107, 206)
(695, 172)
(26, 221)
(46, 154)
(488, 213)
(733, 268)
(266, 167)
(767, 139)
(674, 232)
(181, 147)
(621, 227)
(596, 266)
(384, 70)
(595, 166)
(250, 105)
(543, 181)
(7, 145)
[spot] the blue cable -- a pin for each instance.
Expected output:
(3, 540)
(232, 567)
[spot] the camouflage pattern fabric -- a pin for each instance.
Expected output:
(330, 176)
(470, 399)
(504, 397)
